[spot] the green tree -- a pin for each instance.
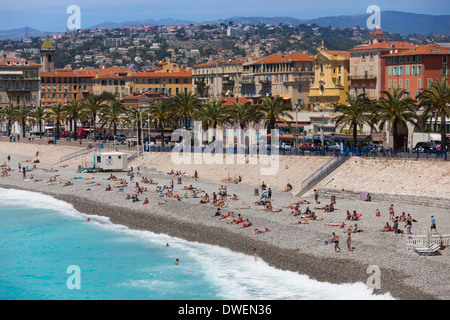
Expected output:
(9, 114)
(93, 105)
(133, 118)
(354, 114)
(186, 105)
(111, 114)
(275, 111)
(394, 109)
(38, 114)
(436, 101)
(23, 114)
(161, 112)
(55, 115)
(74, 111)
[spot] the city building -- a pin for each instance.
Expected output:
(47, 56)
(169, 83)
(285, 75)
(367, 67)
(219, 78)
(331, 79)
(58, 86)
(114, 80)
(19, 82)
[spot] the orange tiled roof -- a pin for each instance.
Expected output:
(280, 58)
(421, 50)
(150, 74)
(21, 62)
(345, 54)
(58, 73)
(229, 101)
(388, 45)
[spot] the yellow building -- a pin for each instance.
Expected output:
(114, 80)
(169, 83)
(331, 79)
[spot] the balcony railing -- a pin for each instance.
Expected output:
(364, 77)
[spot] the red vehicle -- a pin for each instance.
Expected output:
(64, 134)
(82, 134)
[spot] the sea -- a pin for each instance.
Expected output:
(49, 251)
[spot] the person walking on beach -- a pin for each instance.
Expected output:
(433, 224)
(269, 194)
(349, 241)
(391, 212)
(255, 253)
(24, 170)
(316, 196)
(335, 240)
(9, 157)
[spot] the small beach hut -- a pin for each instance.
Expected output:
(111, 161)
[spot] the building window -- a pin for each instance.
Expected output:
(407, 84)
(419, 83)
(444, 59)
(444, 71)
(430, 81)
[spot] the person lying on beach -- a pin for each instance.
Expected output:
(258, 231)
(409, 218)
(235, 197)
(54, 182)
(300, 222)
(341, 225)
(327, 208)
(68, 184)
(238, 220)
(188, 188)
(311, 216)
(245, 224)
(161, 202)
(108, 188)
(229, 215)
(205, 199)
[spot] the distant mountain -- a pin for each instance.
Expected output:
(403, 23)
(392, 21)
(19, 34)
(143, 23)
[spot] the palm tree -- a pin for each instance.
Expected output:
(353, 114)
(56, 114)
(275, 110)
(39, 115)
(92, 106)
(23, 114)
(437, 103)
(242, 113)
(10, 116)
(214, 113)
(186, 105)
(111, 114)
(395, 109)
(133, 118)
(74, 111)
(161, 112)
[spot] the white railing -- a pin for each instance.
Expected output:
(414, 241)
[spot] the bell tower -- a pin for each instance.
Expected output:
(47, 56)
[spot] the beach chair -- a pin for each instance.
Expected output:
(428, 250)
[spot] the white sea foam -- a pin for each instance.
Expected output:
(236, 275)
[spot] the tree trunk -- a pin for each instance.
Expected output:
(161, 125)
(95, 133)
(443, 132)
(75, 129)
(394, 134)
(23, 129)
(355, 135)
(40, 128)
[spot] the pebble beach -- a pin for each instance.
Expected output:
(297, 247)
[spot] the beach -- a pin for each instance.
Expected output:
(300, 248)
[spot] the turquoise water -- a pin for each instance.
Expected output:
(41, 237)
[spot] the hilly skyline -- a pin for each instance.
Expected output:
(403, 23)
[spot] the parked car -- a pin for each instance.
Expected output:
(120, 137)
(372, 147)
(64, 134)
(108, 137)
(425, 146)
(4, 133)
(82, 134)
(97, 136)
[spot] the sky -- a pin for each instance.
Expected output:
(51, 15)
